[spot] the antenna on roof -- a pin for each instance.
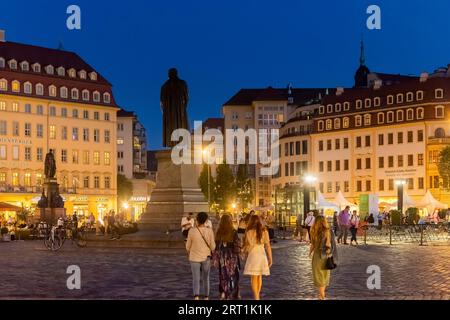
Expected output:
(289, 88)
(327, 92)
(60, 46)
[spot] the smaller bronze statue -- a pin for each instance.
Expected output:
(43, 202)
(50, 165)
(174, 100)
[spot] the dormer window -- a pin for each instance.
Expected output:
(49, 69)
(330, 108)
(337, 123)
(72, 73)
(380, 117)
(74, 94)
(400, 98)
(61, 72)
(96, 96)
(85, 95)
(52, 91)
(358, 104)
(13, 64)
(106, 97)
(25, 66)
(338, 107)
(15, 86)
(82, 74)
(3, 85)
(390, 116)
(2, 62)
(377, 102)
(63, 92)
(345, 122)
(346, 106)
(320, 125)
(390, 100)
(419, 95)
(439, 93)
(28, 88)
(329, 125)
(400, 115)
(420, 113)
(93, 76)
(409, 97)
(410, 114)
(36, 67)
(358, 121)
(367, 119)
(39, 89)
(439, 112)
(368, 103)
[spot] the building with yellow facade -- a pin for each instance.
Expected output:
(53, 99)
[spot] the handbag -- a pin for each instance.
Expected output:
(329, 264)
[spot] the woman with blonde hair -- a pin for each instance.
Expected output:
(228, 248)
(322, 247)
(259, 259)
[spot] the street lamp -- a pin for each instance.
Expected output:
(308, 182)
(206, 154)
(400, 186)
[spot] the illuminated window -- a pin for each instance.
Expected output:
(93, 76)
(337, 123)
(16, 86)
(367, 119)
(3, 85)
(107, 158)
(75, 156)
(15, 179)
(82, 74)
(120, 140)
(2, 178)
(2, 106)
(38, 179)
(345, 122)
(96, 157)
(15, 107)
(85, 157)
(329, 124)
(52, 132)
(72, 73)
(420, 113)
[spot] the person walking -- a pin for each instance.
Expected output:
(112, 226)
(259, 254)
(309, 221)
(322, 246)
(228, 248)
(106, 222)
(344, 223)
(242, 225)
(354, 225)
(335, 223)
(187, 222)
(200, 244)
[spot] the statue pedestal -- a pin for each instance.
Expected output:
(53, 206)
(176, 193)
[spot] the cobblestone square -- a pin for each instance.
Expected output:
(407, 272)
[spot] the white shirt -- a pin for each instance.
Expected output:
(189, 223)
(208, 224)
(309, 221)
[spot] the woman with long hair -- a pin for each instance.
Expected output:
(228, 248)
(259, 259)
(322, 246)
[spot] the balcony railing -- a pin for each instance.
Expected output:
(435, 140)
(33, 189)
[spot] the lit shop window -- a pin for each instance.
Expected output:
(52, 132)
(16, 86)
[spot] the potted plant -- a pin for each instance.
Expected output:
(5, 234)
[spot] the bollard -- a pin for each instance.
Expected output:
(421, 235)
(390, 235)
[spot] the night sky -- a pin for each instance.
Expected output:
(222, 46)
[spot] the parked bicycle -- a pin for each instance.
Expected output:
(65, 230)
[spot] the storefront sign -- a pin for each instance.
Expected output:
(15, 141)
(401, 173)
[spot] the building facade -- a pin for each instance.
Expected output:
(53, 100)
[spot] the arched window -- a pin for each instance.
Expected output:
(2, 62)
(380, 117)
(3, 85)
(52, 91)
(367, 119)
(420, 113)
(93, 76)
(82, 74)
(63, 92)
(36, 67)
(330, 108)
(377, 102)
(39, 89)
(321, 108)
(320, 125)
(439, 133)
(400, 98)
(338, 107)
(409, 97)
(400, 115)
(390, 100)
(410, 114)
(346, 122)
(85, 95)
(439, 93)
(25, 66)
(358, 104)
(28, 88)
(419, 95)
(106, 97)
(329, 124)
(439, 112)
(72, 73)
(74, 94)
(346, 106)
(337, 123)
(96, 96)
(390, 116)
(12, 64)
(15, 86)
(368, 103)
(61, 72)
(358, 121)
(50, 69)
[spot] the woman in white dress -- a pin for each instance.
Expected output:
(259, 254)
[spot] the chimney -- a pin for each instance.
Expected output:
(339, 91)
(2, 36)
(423, 76)
(377, 84)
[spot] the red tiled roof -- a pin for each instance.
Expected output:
(246, 97)
(214, 123)
(125, 113)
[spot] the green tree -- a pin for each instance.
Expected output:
(203, 183)
(444, 166)
(225, 189)
(124, 188)
(244, 187)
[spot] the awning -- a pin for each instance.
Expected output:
(341, 201)
(428, 201)
(323, 203)
(9, 207)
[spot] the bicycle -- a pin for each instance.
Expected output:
(58, 235)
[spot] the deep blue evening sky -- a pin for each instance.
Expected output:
(222, 46)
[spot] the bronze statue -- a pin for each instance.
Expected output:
(174, 100)
(50, 165)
